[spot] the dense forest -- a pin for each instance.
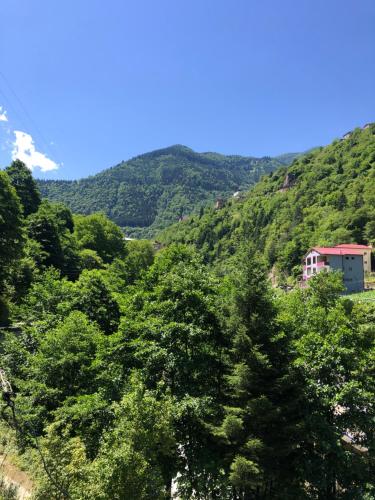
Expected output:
(154, 190)
(134, 374)
(325, 197)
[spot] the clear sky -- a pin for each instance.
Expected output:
(88, 83)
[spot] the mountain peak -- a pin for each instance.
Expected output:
(151, 191)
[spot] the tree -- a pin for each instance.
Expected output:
(175, 334)
(11, 236)
(25, 186)
(126, 271)
(42, 227)
(96, 301)
(89, 259)
(262, 418)
(64, 363)
(132, 462)
(51, 227)
(96, 232)
(49, 300)
(334, 343)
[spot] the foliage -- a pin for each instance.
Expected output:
(330, 199)
(10, 226)
(137, 373)
(334, 342)
(25, 186)
(126, 271)
(262, 422)
(96, 301)
(11, 237)
(96, 232)
(151, 191)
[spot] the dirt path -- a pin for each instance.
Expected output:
(13, 476)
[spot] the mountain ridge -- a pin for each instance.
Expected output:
(148, 192)
(325, 197)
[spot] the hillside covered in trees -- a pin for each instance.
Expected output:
(154, 190)
(325, 197)
(128, 374)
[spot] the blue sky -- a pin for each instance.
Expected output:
(88, 83)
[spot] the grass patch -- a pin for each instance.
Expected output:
(361, 296)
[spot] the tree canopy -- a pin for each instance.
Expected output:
(326, 197)
(139, 374)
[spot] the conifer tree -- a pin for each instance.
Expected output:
(261, 420)
(25, 186)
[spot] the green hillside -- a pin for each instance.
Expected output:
(152, 191)
(330, 199)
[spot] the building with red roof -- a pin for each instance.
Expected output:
(347, 259)
(366, 252)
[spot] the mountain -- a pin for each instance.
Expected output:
(154, 190)
(325, 197)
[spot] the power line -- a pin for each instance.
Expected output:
(26, 113)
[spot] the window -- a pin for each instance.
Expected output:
(365, 262)
(308, 272)
(352, 258)
(347, 258)
(314, 259)
(308, 261)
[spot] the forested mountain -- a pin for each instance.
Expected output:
(154, 190)
(128, 374)
(325, 197)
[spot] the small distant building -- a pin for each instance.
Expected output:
(219, 203)
(348, 261)
(366, 125)
(347, 135)
(365, 251)
(238, 195)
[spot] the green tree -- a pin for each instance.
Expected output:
(96, 232)
(49, 300)
(89, 259)
(25, 186)
(51, 227)
(63, 365)
(124, 272)
(95, 299)
(262, 418)
(177, 339)
(42, 227)
(132, 462)
(334, 342)
(11, 236)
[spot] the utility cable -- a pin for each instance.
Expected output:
(26, 114)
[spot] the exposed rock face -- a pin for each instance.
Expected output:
(289, 181)
(219, 203)
(15, 477)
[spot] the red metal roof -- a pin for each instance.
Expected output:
(353, 246)
(336, 251)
